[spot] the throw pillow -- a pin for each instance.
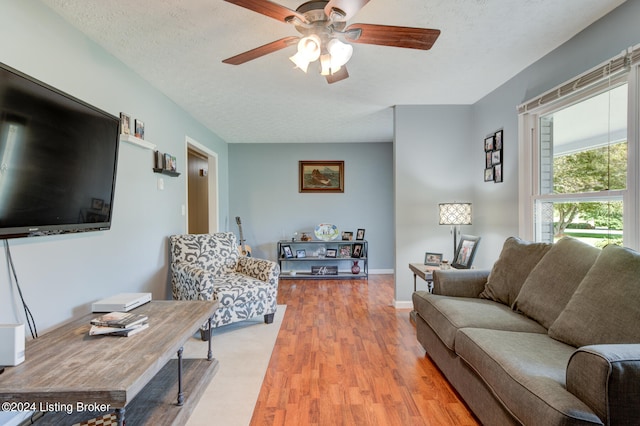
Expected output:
(554, 279)
(512, 268)
(604, 309)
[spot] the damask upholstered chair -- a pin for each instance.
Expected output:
(209, 267)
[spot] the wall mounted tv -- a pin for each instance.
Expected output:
(58, 158)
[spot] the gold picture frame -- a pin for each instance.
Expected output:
(321, 176)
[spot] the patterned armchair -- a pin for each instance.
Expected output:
(209, 267)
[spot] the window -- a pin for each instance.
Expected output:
(579, 161)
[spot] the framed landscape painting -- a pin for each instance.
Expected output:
(321, 176)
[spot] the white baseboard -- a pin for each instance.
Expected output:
(380, 271)
(403, 304)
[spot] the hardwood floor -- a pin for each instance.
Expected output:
(346, 356)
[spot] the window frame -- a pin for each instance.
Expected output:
(529, 190)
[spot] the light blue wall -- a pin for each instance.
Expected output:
(264, 193)
(434, 163)
(61, 275)
(497, 215)
(422, 130)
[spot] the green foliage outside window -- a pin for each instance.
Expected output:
(599, 169)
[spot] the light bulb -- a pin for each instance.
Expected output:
(340, 53)
(301, 61)
(309, 46)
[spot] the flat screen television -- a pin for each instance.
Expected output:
(58, 158)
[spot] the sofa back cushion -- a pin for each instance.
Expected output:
(605, 308)
(554, 279)
(512, 268)
(217, 253)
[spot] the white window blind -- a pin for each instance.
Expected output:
(617, 66)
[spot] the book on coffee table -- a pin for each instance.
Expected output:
(119, 319)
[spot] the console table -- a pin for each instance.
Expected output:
(426, 273)
(68, 374)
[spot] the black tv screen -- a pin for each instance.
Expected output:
(58, 158)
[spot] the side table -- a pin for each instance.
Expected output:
(426, 273)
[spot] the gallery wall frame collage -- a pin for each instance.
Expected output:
(493, 157)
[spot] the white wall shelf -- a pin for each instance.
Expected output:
(137, 141)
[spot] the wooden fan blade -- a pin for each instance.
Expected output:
(252, 54)
(349, 7)
(340, 75)
(268, 8)
(389, 35)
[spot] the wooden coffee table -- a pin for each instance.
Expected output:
(68, 374)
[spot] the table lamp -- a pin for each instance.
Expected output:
(455, 214)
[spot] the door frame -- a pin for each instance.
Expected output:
(213, 196)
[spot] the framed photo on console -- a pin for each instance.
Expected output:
(432, 259)
(466, 251)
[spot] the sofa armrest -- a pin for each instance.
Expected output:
(190, 282)
(607, 379)
(260, 269)
(459, 282)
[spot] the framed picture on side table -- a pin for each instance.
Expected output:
(432, 259)
(466, 252)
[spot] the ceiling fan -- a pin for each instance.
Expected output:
(326, 36)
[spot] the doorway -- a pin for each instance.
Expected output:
(202, 189)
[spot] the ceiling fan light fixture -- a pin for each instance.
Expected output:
(340, 52)
(301, 61)
(325, 64)
(309, 46)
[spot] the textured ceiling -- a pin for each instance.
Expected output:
(178, 46)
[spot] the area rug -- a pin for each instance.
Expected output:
(243, 350)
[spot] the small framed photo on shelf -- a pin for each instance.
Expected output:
(332, 253)
(169, 162)
(139, 127)
(347, 236)
(432, 259)
(125, 124)
(286, 251)
(360, 235)
(357, 250)
(345, 250)
(301, 253)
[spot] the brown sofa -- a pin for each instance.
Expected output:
(549, 336)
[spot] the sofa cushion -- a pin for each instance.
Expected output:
(512, 268)
(445, 315)
(554, 279)
(526, 372)
(604, 308)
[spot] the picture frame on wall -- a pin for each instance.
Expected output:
(493, 157)
(125, 124)
(488, 174)
(321, 176)
(488, 143)
(139, 129)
